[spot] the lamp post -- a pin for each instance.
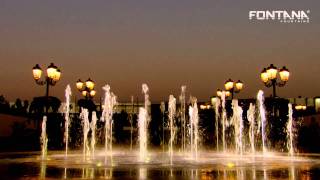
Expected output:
(233, 87)
(86, 88)
(52, 77)
(87, 91)
(269, 77)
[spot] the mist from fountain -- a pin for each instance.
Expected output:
(194, 129)
(44, 138)
(172, 113)
(263, 120)
(84, 115)
(217, 116)
(251, 118)
(66, 117)
(290, 130)
(106, 117)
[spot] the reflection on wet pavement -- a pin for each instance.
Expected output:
(127, 166)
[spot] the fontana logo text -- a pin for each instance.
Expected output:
(282, 16)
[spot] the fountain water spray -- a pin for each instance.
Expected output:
(263, 119)
(194, 133)
(142, 125)
(217, 116)
(172, 113)
(93, 132)
(147, 103)
(289, 131)
(66, 117)
(44, 138)
(251, 119)
(163, 110)
(84, 115)
(238, 125)
(107, 113)
(224, 119)
(131, 121)
(183, 115)
(143, 122)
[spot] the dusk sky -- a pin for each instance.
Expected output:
(164, 43)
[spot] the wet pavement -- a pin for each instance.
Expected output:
(156, 165)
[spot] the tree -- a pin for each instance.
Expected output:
(38, 106)
(87, 104)
(4, 105)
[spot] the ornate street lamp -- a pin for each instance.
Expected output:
(86, 88)
(269, 77)
(52, 77)
(233, 87)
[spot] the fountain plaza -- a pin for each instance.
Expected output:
(238, 147)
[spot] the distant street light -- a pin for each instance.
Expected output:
(219, 93)
(52, 77)
(86, 88)
(269, 77)
(300, 107)
(233, 87)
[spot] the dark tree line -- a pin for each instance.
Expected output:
(23, 137)
(18, 108)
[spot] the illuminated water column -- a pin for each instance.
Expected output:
(263, 120)
(224, 119)
(217, 116)
(172, 113)
(107, 113)
(251, 119)
(238, 126)
(183, 115)
(289, 131)
(84, 115)
(66, 117)
(93, 133)
(143, 121)
(43, 138)
(194, 132)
